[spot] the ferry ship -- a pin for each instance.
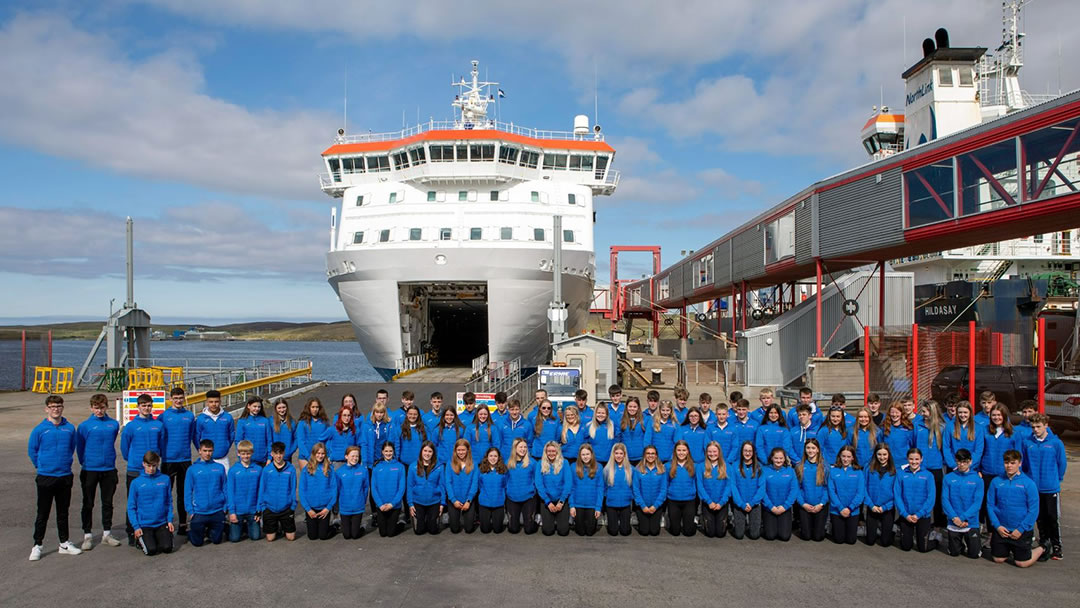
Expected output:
(441, 250)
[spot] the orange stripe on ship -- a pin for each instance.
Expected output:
(453, 135)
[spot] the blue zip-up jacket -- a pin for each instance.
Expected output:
(553, 487)
(466, 417)
(683, 486)
(549, 431)
(880, 490)
(915, 493)
(810, 493)
(221, 431)
(615, 412)
(712, 489)
(994, 448)
(831, 441)
(728, 438)
(573, 441)
(620, 493)
(149, 503)
(798, 436)
(317, 491)
(588, 492)
(513, 429)
(769, 436)
(781, 487)
(373, 436)
(277, 488)
(204, 487)
(285, 434)
(307, 434)
(746, 431)
(603, 441)
(757, 415)
(584, 415)
(337, 442)
(748, 489)
(982, 419)
(397, 416)
(388, 481)
(492, 492)
(696, 437)
(95, 443)
(242, 489)
(140, 436)
(962, 496)
(650, 488)
(179, 434)
(257, 430)
(521, 482)
(481, 442)
(427, 489)
(952, 444)
(932, 457)
(679, 413)
(663, 440)
(407, 449)
(1013, 502)
(634, 439)
(500, 418)
(846, 489)
(460, 487)
(1044, 462)
(429, 419)
(816, 417)
(864, 451)
(444, 442)
(352, 488)
(900, 440)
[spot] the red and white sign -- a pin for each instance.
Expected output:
(129, 408)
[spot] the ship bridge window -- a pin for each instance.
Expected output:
(462, 152)
(442, 154)
(384, 236)
(475, 234)
(482, 152)
(568, 236)
(335, 169)
(538, 234)
(506, 233)
(508, 154)
(358, 237)
(945, 77)
(446, 234)
(401, 159)
(581, 163)
(554, 161)
(967, 77)
(601, 166)
(529, 159)
(352, 164)
(415, 234)
(417, 155)
(378, 163)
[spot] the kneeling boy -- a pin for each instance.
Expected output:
(149, 507)
(277, 495)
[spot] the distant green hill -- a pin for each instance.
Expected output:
(262, 330)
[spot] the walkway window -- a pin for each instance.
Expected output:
(506, 233)
(357, 238)
(415, 234)
(988, 178)
(446, 234)
(384, 236)
(538, 234)
(1051, 158)
(476, 234)
(928, 192)
(664, 289)
(703, 271)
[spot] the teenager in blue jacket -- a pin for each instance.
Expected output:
(217, 425)
(813, 495)
(376, 429)
(865, 437)
(546, 428)
(930, 439)
(834, 434)
(95, 443)
(51, 449)
(179, 424)
(424, 491)
(317, 493)
(714, 490)
(149, 508)
(1013, 507)
(682, 492)
(482, 434)
(277, 495)
(618, 489)
(771, 434)
(388, 490)
(799, 433)
(846, 496)
(353, 485)
(449, 430)
(999, 437)
(461, 481)
(408, 437)
(254, 426)
(880, 497)
(341, 434)
(898, 432)
(573, 433)
(915, 496)
(515, 426)
(693, 432)
(964, 433)
(140, 435)
(553, 484)
(491, 495)
(310, 429)
(961, 495)
(781, 490)
(602, 433)
(204, 493)
(1044, 462)
(661, 432)
(521, 489)
(587, 491)
(726, 435)
(746, 494)
(650, 491)
(745, 426)
(283, 428)
(632, 429)
(242, 495)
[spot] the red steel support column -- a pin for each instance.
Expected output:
(915, 361)
(971, 362)
(817, 315)
(23, 366)
(1041, 365)
(866, 363)
(881, 293)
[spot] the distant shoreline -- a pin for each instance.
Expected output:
(338, 331)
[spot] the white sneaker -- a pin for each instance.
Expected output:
(861, 532)
(87, 542)
(108, 539)
(35, 553)
(69, 549)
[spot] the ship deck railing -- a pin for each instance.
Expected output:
(457, 125)
(603, 181)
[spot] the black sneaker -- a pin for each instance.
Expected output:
(1056, 555)
(131, 540)
(1045, 546)
(182, 531)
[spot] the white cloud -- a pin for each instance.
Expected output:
(665, 186)
(729, 186)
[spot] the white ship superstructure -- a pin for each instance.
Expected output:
(443, 245)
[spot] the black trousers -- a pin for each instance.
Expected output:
(748, 524)
(156, 540)
(129, 477)
(776, 527)
(916, 534)
(939, 513)
(177, 472)
(1048, 519)
(681, 517)
(845, 530)
(52, 490)
(491, 519)
(550, 523)
(880, 525)
(90, 481)
(318, 528)
(586, 521)
(648, 524)
(983, 515)
(812, 525)
(426, 520)
(388, 522)
(618, 520)
(715, 521)
(965, 542)
(522, 515)
(462, 519)
(352, 526)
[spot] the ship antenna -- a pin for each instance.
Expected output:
(345, 112)
(596, 95)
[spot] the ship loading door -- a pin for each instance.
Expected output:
(447, 320)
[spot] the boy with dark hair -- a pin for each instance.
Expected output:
(204, 493)
(217, 426)
(242, 495)
(961, 497)
(468, 414)
(140, 435)
(149, 508)
(581, 399)
(705, 405)
(652, 401)
(839, 400)
(745, 427)
(987, 399)
(615, 404)
(96, 447)
(1013, 506)
(277, 495)
(501, 412)
(948, 415)
(51, 449)
(1028, 408)
(397, 416)
(803, 431)
(515, 425)
(681, 397)
(179, 424)
(430, 418)
(1044, 462)
(734, 398)
(873, 403)
(806, 397)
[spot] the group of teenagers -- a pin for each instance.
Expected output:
(933, 472)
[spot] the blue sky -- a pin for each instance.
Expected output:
(204, 121)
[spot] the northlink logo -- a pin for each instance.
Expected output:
(919, 93)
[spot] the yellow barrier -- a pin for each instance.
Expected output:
(250, 384)
(53, 380)
(145, 378)
(171, 376)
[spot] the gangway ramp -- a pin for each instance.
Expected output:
(776, 352)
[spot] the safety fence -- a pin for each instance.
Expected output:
(20, 352)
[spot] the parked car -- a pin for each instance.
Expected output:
(1011, 384)
(1063, 403)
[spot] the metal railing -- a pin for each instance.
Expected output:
(496, 376)
(457, 125)
(238, 383)
(479, 366)
(608, 178)
(410, 363)
(721, 372)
